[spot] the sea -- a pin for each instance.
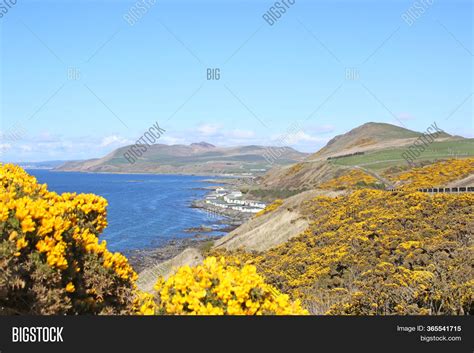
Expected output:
(144, 210)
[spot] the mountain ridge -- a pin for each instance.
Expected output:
(195, 158)
(367, 143)
(371, 136)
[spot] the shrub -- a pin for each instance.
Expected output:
(376, 252)
(434, 175)
(270, 208)
(217, 287)
(294, 169)
(51, 261)
(352, 179)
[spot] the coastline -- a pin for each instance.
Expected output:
(141, 259)
(226, 219)
(212, 175)
(235, 218)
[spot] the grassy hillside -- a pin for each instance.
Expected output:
(198, 158)
(379, 146)
(369, 136)
(378, 160)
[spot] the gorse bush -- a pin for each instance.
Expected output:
(434, 175)
(270, 208)
(365, 252)
(377, 252)
(294, 169)
(217, 287)
(352, 179)
(51, 261)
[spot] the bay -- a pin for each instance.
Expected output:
(144, 210)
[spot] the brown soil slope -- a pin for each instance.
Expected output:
(274, 228)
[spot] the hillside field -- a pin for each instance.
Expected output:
(378, 160)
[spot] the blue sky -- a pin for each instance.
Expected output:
(77, 80)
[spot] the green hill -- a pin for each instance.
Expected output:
(196, 158)
(390, 157)
(370, 136)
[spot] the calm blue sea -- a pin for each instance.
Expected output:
(144, 210)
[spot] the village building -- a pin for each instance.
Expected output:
(226, 199)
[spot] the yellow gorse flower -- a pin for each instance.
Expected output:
(376, 252)
(219, 288)
(21, 243)
(434, 175)
(60, 228)
(70, 287)
(349, 180)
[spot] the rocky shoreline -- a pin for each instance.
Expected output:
(146, 258)
(234, 218)
(141, 259)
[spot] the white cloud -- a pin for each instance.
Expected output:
(208, 129)
(213, 133)
(44, 146)
(114, 140)
(5, 146)
(301, 136)
(297, 134)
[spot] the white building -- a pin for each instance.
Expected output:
(235, 194)
(221, 190)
